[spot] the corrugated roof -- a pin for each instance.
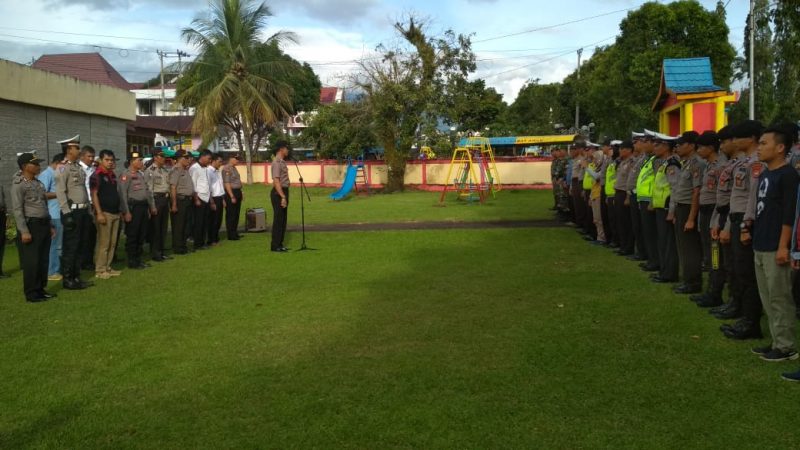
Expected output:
(91, 67)
(175, 124)
(689, 76)
(327, 95)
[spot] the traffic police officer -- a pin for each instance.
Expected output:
(686, 197)
(157, 178)
(136, 202)
(73, 199)
(647, 216)
(640, 141)
(737, 230)
(29, 198)
(232, 182)
(624, 230)
(667, 170)
(181, 192)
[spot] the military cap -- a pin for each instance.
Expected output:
(27, 158)
(747, 129)
(134, 155)
(708, 138)
(689, 137)
(725, 133)
(626, 144)
(181, 154)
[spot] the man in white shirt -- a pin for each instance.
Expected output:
(87, 163)
(217, 199)
(202, 196)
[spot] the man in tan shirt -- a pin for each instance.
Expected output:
(279, 196)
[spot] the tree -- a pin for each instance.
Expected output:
(405, 86)
(786, 17)
(230, 83)
(470, 105)
(619, 82)
(340, 130)
(538, 109)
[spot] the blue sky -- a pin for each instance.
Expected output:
(333, 33)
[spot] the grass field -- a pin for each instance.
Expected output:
(427, 339)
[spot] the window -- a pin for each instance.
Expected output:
(145, 107)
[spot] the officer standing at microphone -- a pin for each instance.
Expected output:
(279, 196)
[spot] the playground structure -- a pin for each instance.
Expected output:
(476, 171)
(355, 174)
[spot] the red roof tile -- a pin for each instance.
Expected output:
(91, 67)
(327, 95)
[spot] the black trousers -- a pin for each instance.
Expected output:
(89, 242)
(135, 232)
(158, 226)
(179, 224)
(74, 243)
(690, 249)
(612, 234)
(636, 227)
(723, 275)
(704, 228)
(3, 223)
(744, 272)
(667, 251)
(624, 230)
(215, 220)
(34, 257)
(578, 203)
(279, 216)
(232, 213)
(200, 224)
(649, 234)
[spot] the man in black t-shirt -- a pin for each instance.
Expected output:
(106, 202)
(775, 203)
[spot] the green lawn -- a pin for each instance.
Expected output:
(427, 339)
(414, 206)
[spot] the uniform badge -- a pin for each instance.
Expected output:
(756, 169)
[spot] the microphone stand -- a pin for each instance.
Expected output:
(303, 193)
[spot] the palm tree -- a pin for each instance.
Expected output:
(228, 83)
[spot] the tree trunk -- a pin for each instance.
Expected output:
(396, 167)
(248, 154)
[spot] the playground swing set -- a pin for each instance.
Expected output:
(476, 172)
(355, 175)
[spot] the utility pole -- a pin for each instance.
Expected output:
(577, 99)
(180, 71)
(163, 94)
(752, 59)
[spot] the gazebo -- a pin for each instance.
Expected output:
(688, 99)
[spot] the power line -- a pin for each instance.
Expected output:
(135, 38)
(549, 27)
(120, 49)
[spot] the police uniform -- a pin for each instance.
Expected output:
(576, 193)
(690, 248)
(136, 200)
(73, 200)
(184, 189)
(279, 214)
(157, 180)
(636, 222)
(666, 177)
(708, 201)
(724, 273)
(233, 209)
(29, 198)
(609, 194)
(624, 230)
(742, 212)
(647, 216)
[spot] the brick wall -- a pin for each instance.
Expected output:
(25, 128)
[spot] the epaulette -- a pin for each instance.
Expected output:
(673, 161)
(17, 180)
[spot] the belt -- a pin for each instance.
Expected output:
(75, 206)
(707, 208)
(137, 202)
(236, 189)
(41, 220)
(160, 194)
(184, 197)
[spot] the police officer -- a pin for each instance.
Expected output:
(73, 200)
(624, 230)
(157, 178)
(29, 198)
(181, 194)
(136, 203)
(708, 149)
(609, 181)
(737, 230)
(232, 182)
(640, 142)
(279, 196)
(579, 206)
(647, 215)
(686, 197)
(724, 273)
(666, 177)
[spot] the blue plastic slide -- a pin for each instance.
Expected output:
(348, 185)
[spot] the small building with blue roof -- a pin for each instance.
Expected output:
(688, 99)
